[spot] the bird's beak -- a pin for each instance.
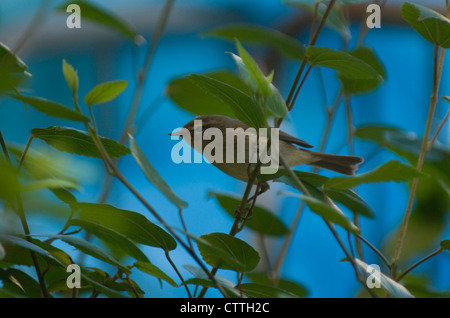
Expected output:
(175, 133)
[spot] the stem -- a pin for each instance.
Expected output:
(437, 69)
(21, 212)
(383, 258)
(178, 273)
(3, 144)
(419, 262)
(438, 130)
(141, 77)
(295, 221)
(305, 58)
(22, 158)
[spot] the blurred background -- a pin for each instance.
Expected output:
(38, 34)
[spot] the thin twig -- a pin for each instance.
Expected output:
(438, 130)
(178, 273)
(418, 263)
(437, 68)
(25, 151)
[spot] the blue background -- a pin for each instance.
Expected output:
(100, 55)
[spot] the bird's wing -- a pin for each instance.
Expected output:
(291, 139)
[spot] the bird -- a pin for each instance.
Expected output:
(290, 147)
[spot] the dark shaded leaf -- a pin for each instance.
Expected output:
(431, 25)
(251, 33)
(153, 270)
(227, 252)
(326, 211)
(243, 106)
(193, 99)
(78, 142)
(390, 171)
(264, 291)
(133, 225)
(114, 238)
(359, 86)
(262, 221)
(100, 16)
(51, 108)
(346, 64)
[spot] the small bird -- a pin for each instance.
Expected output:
(294, 156)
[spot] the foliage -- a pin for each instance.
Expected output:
(118, 237)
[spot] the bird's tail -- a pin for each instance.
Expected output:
(338, 163)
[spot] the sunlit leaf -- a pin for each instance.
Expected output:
(71, 77)
(105, 92)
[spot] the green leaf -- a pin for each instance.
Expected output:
(133, 225)
(13, 70)
(335, 19)
(275, 103)
(9, 186)
(54, 183)
(251, 33)
(202, 279)
(390, 171)
(102, 17)
(243, 106)
(190, 97)
(227, 252)
(431, 25)
(112, 237)
(71, 77)
(446, 98)
(153, 176)
(346, 64)
(445, 244)
(284, 284)
(51, 108)
(105, 92)
(359, 86)
(20, 283)
(91, 249)
(314, 181)
(153, 270)
(254, 71)
(78, 142)
(326, 211)
(264, 291)
(262, 221)
(395, 289)
(18, 241)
